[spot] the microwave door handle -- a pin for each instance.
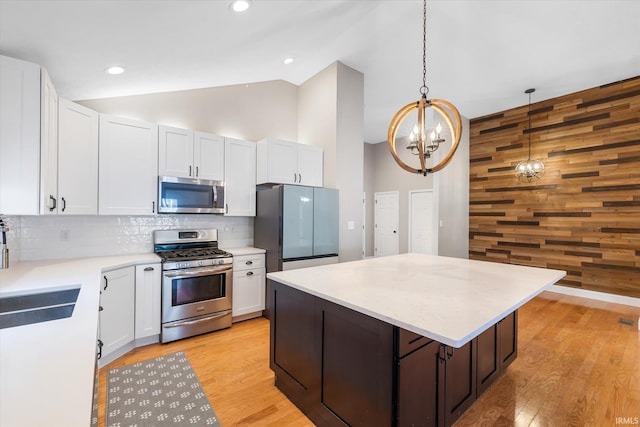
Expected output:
(180, 274)
(215, 195)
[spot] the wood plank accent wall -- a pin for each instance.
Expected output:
(583, 216)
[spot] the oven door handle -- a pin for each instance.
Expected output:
(197, 272)
(193, 322)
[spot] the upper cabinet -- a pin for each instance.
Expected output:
(188, 154)
(77, 159)
(128, 172)
(286, 162)
(240, 177)
(49, 146)
(20, 128)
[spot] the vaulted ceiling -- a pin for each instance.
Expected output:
(481, 54)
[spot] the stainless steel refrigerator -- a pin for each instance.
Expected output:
(297, 226)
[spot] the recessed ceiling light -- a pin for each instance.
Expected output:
(240, 5)
(288, 61)
(114, 70)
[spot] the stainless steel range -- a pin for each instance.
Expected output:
(196, 283)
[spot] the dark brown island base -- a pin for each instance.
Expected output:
(345, 368)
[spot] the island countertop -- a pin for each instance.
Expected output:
(450, 300)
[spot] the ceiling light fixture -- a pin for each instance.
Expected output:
(114, 71)
(240, 5)
(531, 170)
(287, 61)
(426, 136)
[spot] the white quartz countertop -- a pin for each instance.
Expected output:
(450, 300)
(244, 251)
(47, 369)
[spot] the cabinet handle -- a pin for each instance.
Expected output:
(299, 178)
(189, 170)
(64, 204)
(100, 308)
(106, 283)
(100, 344)
(153, 207)
(53, 199)
(249, 262)
(148, 269)
(294, 177)
(249, 273)
(197, 172)
(226, 208)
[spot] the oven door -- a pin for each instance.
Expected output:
(195, 292)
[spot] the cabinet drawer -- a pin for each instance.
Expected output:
(409, 341)
(247, 262)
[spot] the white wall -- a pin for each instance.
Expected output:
(331, 115)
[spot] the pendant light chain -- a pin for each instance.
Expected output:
(529, 114)
(424, 90)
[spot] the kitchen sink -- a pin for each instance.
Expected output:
(36, 307)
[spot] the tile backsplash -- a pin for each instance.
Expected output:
(49, 237)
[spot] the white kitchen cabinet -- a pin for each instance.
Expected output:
(77, 159)
(240, 177)
(20, 127)
(148, 300)
(117, 312)
(310, 165)
(208, 155)
(128, 167)
(188, 154)
(286, 162)
(249, 277)
(49, 146)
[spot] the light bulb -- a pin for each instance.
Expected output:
(433, 135)
(438, 128)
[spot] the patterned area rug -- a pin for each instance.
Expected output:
(157, 392)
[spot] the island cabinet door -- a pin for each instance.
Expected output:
(357, 368)
(457, 382)
(417, 401)
(508, 340)
(497, 348)
(294, 351)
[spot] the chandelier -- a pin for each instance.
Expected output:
(427, 134)
(530, 170)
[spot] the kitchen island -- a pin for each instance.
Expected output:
(402, 340)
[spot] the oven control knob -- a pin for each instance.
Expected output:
(201, 263)
(221, 261)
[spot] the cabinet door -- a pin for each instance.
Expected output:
(77, 159)
(49, 147)
(208, 155)
(148, 300)
(128, 173)
(248, 291)
(282, 161)
(457, 380)
(488, 360)
(508, 340)
(117, 314)
(240, 177)
(175, 152)
(19, 137)
(309, 165)
(418, 386)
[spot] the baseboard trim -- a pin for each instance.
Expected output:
(600, 296)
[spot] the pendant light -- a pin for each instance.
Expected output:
(426, 135)
(530, 170)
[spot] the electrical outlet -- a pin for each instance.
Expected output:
(64, 235)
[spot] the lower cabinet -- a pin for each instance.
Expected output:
(116, 311)
(148, 300)
(248, 286)
(341, 367)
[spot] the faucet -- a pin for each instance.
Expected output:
(4, 251)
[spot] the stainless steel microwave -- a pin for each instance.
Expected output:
(186, 195)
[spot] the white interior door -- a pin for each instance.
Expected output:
(386, 223)
(423, 231)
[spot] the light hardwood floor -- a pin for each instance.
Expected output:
(576, 366)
